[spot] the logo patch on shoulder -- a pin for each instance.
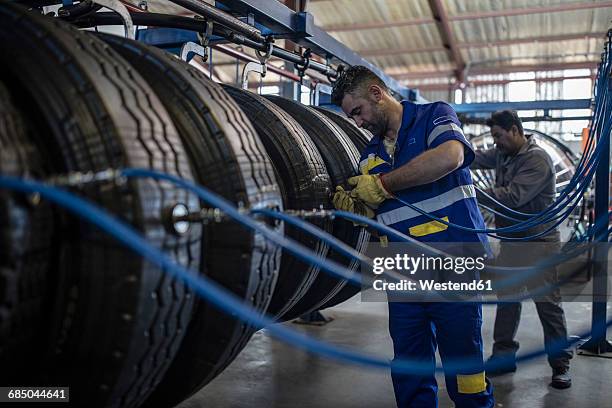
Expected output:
(442, 119)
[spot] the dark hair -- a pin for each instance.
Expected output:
(505, 119)
(353, 78)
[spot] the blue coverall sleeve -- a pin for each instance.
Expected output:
(444, 126)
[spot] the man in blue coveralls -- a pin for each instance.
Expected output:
(419, 154)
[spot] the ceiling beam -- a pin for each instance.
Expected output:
(533, 67)
(470, 84)
(381, 52)
(552, 38)
(469, 16)
(377, 25)
(548, 79)
(505, 69)
(533, 10)
(447, 36)
(408, 75)
(385, 52)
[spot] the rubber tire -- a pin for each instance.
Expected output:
(227, 157)
(305, 184)
(360, 139)
(117, 320)
(26, 244)
(342, 160)
(358, 136)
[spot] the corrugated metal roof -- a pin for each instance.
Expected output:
(530, 26)
(456, 7)
(348, 12)
(402, 37)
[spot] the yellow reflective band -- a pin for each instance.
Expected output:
(370, 164)
(471, 383)
(428, 228)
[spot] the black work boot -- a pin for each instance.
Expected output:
(561, 378)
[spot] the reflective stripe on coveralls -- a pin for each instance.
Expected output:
(417, 328)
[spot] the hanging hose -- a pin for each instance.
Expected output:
(228, 302)
(498, 213)
(582, 177)
(517, 273)
(598, 126)
(324, 236)
(587, 175)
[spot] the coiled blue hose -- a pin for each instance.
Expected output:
(601, 124)
(517, 227)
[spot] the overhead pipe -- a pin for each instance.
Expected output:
(232, 52)
(221, 17)
(297, 59)
(202, 8)
(193, 24)
(188, 23)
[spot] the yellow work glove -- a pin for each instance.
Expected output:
(343, 201)
(369, 189)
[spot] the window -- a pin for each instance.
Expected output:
(269, 90)
(305, 95)
(458, 96)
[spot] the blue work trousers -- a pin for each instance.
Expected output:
(416, 330)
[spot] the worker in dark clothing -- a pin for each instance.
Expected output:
(525, 182)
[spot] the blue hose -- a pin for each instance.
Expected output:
(591, 163)
(304, 253)
(514, 228)
(489, 209)
(508, 209)
(295, 248)
(329, 239)
(223, 299)
(517, 274)
(584, 174)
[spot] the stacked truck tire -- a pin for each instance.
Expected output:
(77, 307)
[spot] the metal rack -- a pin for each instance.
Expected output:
(282, 22)
(477, 111)
(251, 23)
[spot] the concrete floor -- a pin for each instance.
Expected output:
(271, 374)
